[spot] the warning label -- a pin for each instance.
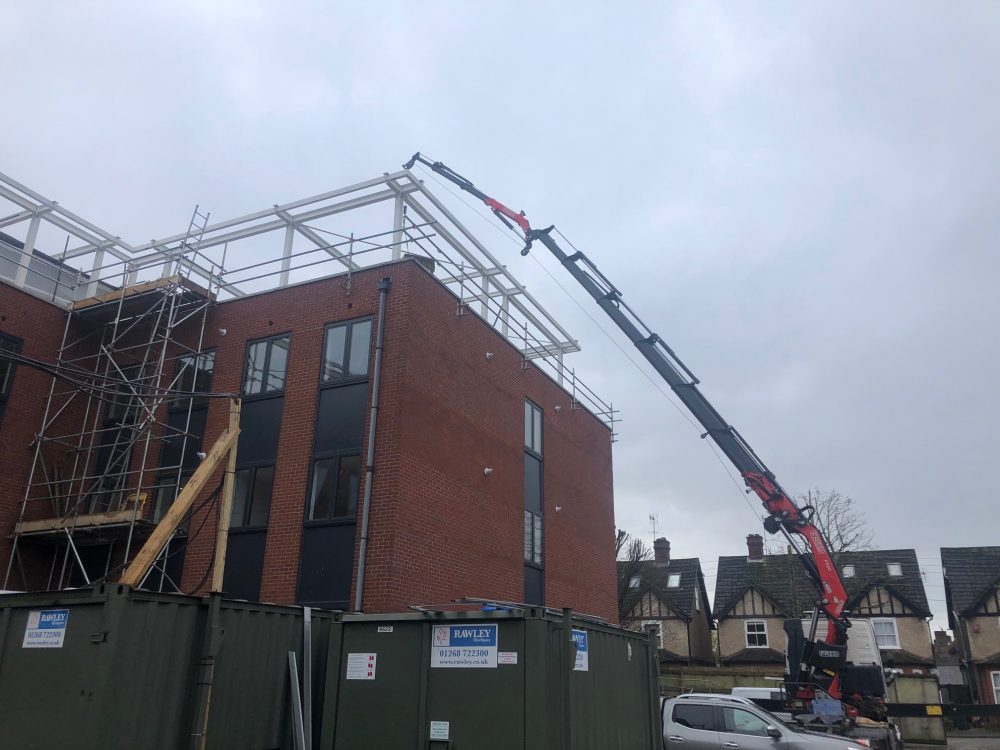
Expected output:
(361, 666)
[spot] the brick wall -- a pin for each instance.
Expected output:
(39, 325)
(440, 528)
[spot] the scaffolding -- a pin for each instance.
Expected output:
(125, 355)
(136, 316)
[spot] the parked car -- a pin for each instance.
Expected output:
(701, 721)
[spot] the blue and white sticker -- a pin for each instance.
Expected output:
(582, 663)
(464, 646)
(46, 628)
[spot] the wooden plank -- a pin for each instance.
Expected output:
(137, 289)
(168, 524)
(226, 509)
(87, 519)
(129, 291)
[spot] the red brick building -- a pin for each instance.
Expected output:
(489, 478)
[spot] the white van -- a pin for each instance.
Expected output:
(775, 693)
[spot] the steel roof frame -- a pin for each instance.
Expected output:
(465, 265)
(403, 188)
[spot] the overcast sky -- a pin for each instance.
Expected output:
(801, 198)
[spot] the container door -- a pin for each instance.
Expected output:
(476, 685)
(378, 699)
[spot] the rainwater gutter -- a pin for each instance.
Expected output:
(359, 587)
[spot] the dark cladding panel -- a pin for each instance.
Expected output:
(260, 425)
(534, 588)
(532, 483)
(340, 419)
(244, 563)
(325, 565)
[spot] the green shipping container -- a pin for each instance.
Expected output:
(116, 668)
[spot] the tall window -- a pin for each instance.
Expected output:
(532, 483)
(533, 428)
(996, 686)
(756, 633)
(336, 483)
(886, 635)
(7, 344)
(266, 363)
(346, 349)
(534, 546)
(194, 375)
(532, 537)
(252, 491)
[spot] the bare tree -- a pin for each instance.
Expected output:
(630, 552)
(844, 527)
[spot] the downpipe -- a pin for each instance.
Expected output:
(359, 586)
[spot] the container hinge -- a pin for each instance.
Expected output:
(99, 637)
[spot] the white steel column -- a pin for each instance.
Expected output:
(29, 245)
(397, 226)
(95, 273)
(286, 255)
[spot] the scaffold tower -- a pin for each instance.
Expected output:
(126, 355)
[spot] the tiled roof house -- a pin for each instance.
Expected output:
(755, 593)
(669, 597)
(972, 592)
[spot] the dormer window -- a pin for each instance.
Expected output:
(674, 581)
(848, 571)
(895, 569)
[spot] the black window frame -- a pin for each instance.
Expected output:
(339, 456)
(348, 346)
(534, 528)
(11, 344)
(269, 341)
(533, 452)
(534, 514)
(537, 445)
(248, 505)
(180, 401)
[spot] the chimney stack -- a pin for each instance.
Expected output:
(661, 550)
(755, 547)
